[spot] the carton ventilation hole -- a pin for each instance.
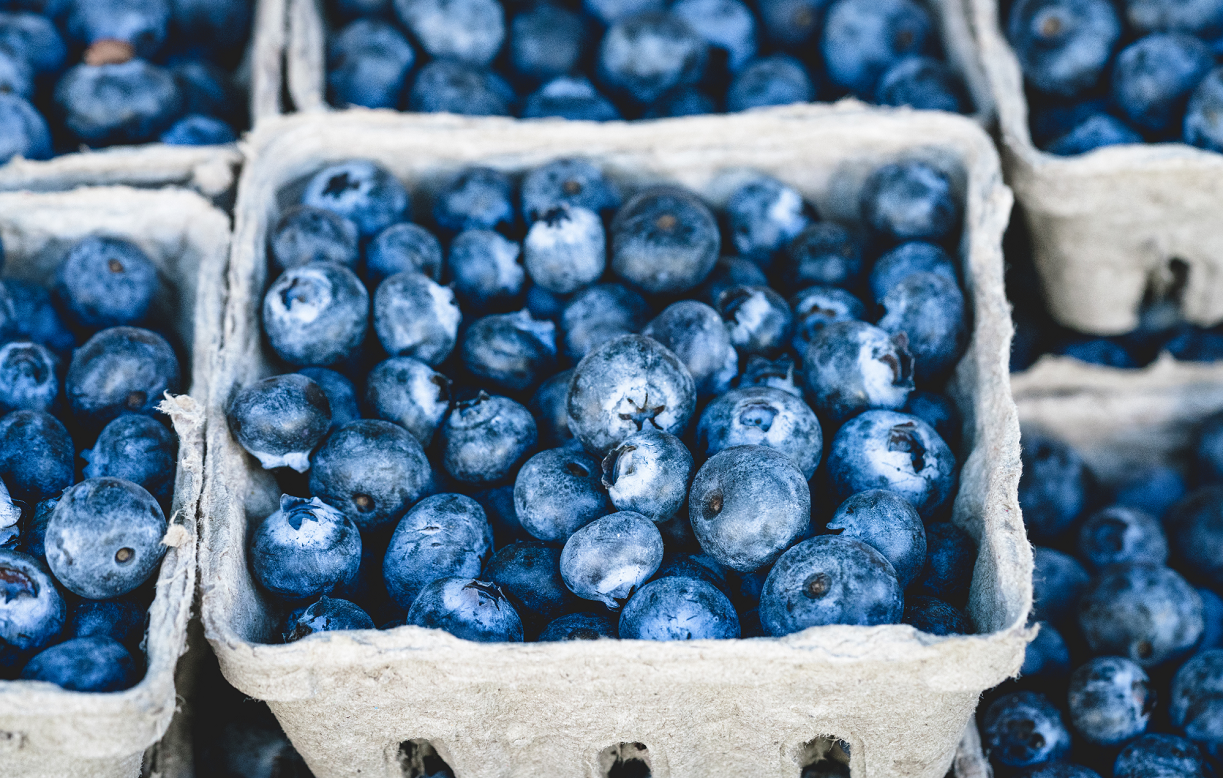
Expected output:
(625, 760)
(419, 759)
(1165, 292)
(825, 757)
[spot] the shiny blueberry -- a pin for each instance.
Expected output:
(557, 492)
(1058, 580)
(329, 614)
(930, 312)
(469, 609)
(120, 370)
(548, 407)
(305, 550)
(529, 574)
(280, 420)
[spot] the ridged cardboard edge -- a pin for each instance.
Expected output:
(45, 730)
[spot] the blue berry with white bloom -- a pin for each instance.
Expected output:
(305, 550)
(610, 558)
(316, 314)
(445, 535)
(416, 317)
(469, 609)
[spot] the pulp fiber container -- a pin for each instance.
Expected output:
(45, 731)
(1114, 226)
(210, 170)
(308, 29)
(373, 703)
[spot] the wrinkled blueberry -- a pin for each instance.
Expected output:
(280, 420)
(648, 473)
(305, 550)
(445, 535)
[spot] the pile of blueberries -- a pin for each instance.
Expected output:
(600, 60)
(97, 73)
(600, 426)
(1100, 73)
(81, 526)
(1127, 587)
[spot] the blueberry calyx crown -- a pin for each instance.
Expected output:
(14, 584)
(903, 437)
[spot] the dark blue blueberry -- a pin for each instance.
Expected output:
(1052, 487)
(93, 664)
(1058, 770)
(316, 314)
(609, 11)
(572, 182)
(33, 37)
(569, 97)
(1153, 78)
(1161, 756)
(910, 200)
(922, 83)
(409, 393)
(104, 538)
(698, 566)
(852, 366)
(697, 335)
(446, 86)
(445, 535)
(938, 411)
(367, 65)
(580, 626)
(648, 473)
(1052, 117)
(529, 574)
(545, 42)
(498, 505)
(598, 314)
(372, 470)
(305, 550)
(32, 612)
(403, 247)
(1203, 18)
(208, 90)
(104, 282)
(510, 351)
(129, 102)
(1094, 132)
(930, 313)
(886, 522)
(198, 130)
(139, 449)
(776, 374)
(548, 407)
(557, 492)
(747, 505)
(664, 240)
(643, 55)
(28, 377)
(1203, 126)
(1119, 534)
(822, 253)
(728, 272)
(1208, 450)
(307, 234)
(1212, 618)
(485, 439)
(625, 385)
(1145, 612)
(1046, 656)
(1110, 700)
(218, 24)
(681, 101)
(818, 306)
(610, 558)
(951, 556)
(1192, 344)
(329, 614)
(758, 319)
(34, 535)
(1196, 701)
(763, 416)
(675, 608)
(1058, 580)
(907, 258)
(476, 198)
(416, 317)
(829, 580)
(726, 25)
(1063, 46)
(143, 24)
(565, 249)
(341, 395)
(36, 455)
(764, 216)
(280, 420)
(16, 73)
(1023, 729)
(861, 40)
(23, 131)
(935, 617)
(1195, 532)
(775, 80)
(359, 190)
(484, 269)
(36, 318)
(121, 619)
(469, 31)
(469, 609)
(792, 23)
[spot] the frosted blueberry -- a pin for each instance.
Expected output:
(764, 215)
(32, 612)
(852, 366)
(470, 31)
(565, 249)
(305, 550)
(888, 523)
(1110, 700)
(697, 335)
(484, 268)
(818, 306)
(548, 407)
(822, 253)
(445, 535)
(401, 247)
(569, 97)
(341, 394)
(572, 182)
(914, 256)
(409, 393)
(757, 319)
(1160, 756)
(28, 379)
(1023, 729)
(104, 282)
(929, 311)
(762, 416)
(445, 85)
(724, 24)
(648, 473)
(1118, 534)
(557, 492)
(280, 420)
(610, 558)
(1141, 611)
(664, 239)
(316, 314)
(484, 439)
(910, 201)
(475, 198)
(416, 317)
(362, 191)
(306, 234)
(648, 53)
(598, 314)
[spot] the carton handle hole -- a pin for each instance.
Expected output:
(419, 759)
(625, 760)
(825, 757)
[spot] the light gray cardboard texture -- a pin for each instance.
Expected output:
(900, 698)
(45, 731)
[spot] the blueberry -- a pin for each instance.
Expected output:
(104, 282)
(1161, 756)
(1191, 344)
(511, 351)
(1208, 449)
(565, 249)
(861, 40)
(580, 626)
(697, 335)
(316, 314)
(10, 515)
(280, 420)
(470, 31)
(1202, 125)
(907, 258)
(829, 580)
(625, 385)
(675, 608)
(104, 538)
(680, 101)
(498, 505)
(416, 317)
(222, 24)
(764, 216)
(763, 416)
(34, 534)
(198, 130)
(32, 612)
(484, 439)
(939, 412)
(1098, 351)
(371, 470)
(36, 455)
(208, 89)
(758, 319)
(950, 559)
(910, 201)
(402, 247)
(1195, 531)
(775, 80)
(1023, 729)
(16, 73)
(137, 449)
(476, 198)
(929, 311)
(792, 23)
(699, 566)
(598, 314)
(1141, 611)
(546, 41)
(1203, 18)
(445, 535)
(922, 83)
(889, 524)
(728, 272)
(121, 619)
(484, 268)
(935, 617)
(1063, 46)
(557, 492)
(822, 253)
(1196, 701)
(307, 234)
(852, 366)
(726, 25)
(1058, 770)
(648, 473)
(1110, 700)
(1153, 78)
(1052, 486)
(35, 317)
(1096, 131)
(329, 614)
(128, 102)
(548, 407)
(610, 558)
(747, 505)
(92, 664)
(643, 55)
(23, 131)
(1058, 580)
(1212, 618)
(367, 64)
(818, 306)
(28, 377)
(664, 240)
(411, 394)
(569, 97)
(1119, 534)
(446, 86)
(305, 550)
(543, 304)
(33, 37)
(469, 609)
(1046, 655)
(341, 394)
(362, 191)
(143, 24)
(529, 574)
(775, 374)
(572, 182)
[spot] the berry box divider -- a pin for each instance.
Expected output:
(356, 702)
(1109, 224)
(46, 731)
